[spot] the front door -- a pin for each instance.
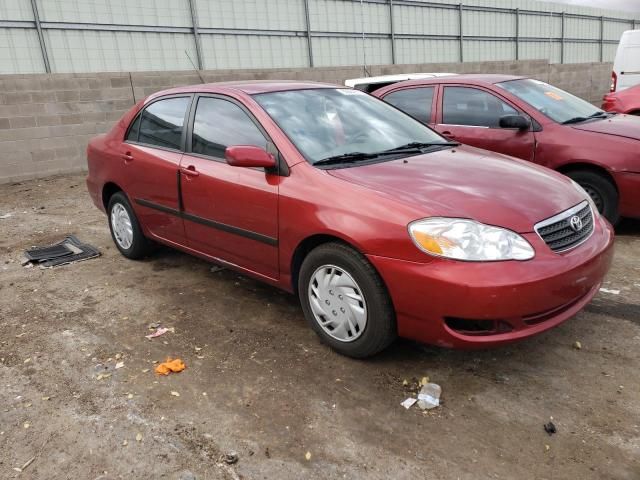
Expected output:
(229, 212)
(151, 157)
(472, 116)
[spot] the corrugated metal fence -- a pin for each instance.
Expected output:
(63, 36)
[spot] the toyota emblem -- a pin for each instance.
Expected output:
(576, 223)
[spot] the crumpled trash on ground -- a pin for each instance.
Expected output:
(175, 365)
(613, 291)
(429, 396)
(550, 428)
(159, 331)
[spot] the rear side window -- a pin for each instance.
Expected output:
(219, 124)
(470, 106)
(161, 123)
(413, 101)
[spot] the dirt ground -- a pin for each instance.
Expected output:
(259, 383)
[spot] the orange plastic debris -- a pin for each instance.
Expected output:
(169, 366)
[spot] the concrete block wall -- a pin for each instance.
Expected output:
(47, 120)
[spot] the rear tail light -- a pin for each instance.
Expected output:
(614, 82)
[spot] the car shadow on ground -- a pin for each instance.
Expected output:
(628, 227)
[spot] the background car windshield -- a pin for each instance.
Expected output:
(556, 104)
(327, 122)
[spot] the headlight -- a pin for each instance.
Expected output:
(462, 239)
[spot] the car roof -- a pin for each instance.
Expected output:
(393, 78)
(471, 78)
(250, 87)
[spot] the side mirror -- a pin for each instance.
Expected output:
(515, 121)
(249, 156)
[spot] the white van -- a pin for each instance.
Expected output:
(626, 66)
(370, 84)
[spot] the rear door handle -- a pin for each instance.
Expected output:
(127, 157)
(190, 171)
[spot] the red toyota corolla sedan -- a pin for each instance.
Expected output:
(534, 121)
(379, 224)
(623, 101)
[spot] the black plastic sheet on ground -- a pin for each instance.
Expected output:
(69, 250)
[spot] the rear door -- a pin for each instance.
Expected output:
(150, 156)
(416, 101)
(471, 116)
(230, 213)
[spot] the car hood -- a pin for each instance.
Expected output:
(471, 183)
(621, 125)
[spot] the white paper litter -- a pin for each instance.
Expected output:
(409, 402)
(611, 291)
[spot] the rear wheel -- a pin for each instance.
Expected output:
(125, 229)
(345, 301)
(601, 190)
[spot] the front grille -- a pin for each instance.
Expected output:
(567, 229)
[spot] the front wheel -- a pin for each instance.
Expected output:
(601, 190)
(125, 229)
(345, 301)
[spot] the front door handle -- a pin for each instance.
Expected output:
(448, 134)
(190, 171)
(127, 157)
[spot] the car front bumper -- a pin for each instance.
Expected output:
(436, 302)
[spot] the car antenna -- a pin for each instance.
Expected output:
(194, 67)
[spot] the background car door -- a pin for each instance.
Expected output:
(230, 212)
(471, 116)
(417, 102)
(151, 157)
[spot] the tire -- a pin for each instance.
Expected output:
(351, 276)
(601, 190)
(132, 244)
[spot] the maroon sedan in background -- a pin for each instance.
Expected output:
(534, 121)
(380, 225)
(623, 101)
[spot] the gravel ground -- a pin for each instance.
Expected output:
(259, 383)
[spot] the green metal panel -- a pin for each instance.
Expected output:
(236, 51)
(16, 10)
(174, 13)
(20, 51)
(87, 51)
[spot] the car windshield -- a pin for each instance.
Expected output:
(556, 104)
(340, 125)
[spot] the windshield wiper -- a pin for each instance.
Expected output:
(345, 158)
(418, 146)
(575, 120)
(584, 119)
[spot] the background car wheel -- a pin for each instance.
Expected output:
(125, 229)
(602, 192)
(345, 301)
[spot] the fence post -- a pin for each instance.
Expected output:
(196, 34)
(601, 39)
(460, 9)
(562, 40)
(517, 34)
(309, 46)
(393, 34)
(43, 47)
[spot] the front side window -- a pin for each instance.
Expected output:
(325, 123)
(219, 124)
(556, 104)
(413, 101)
(161, 123)
(473, 107)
